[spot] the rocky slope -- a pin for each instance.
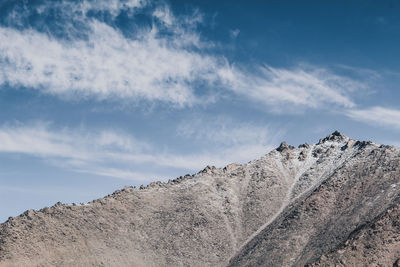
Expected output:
(341, 217)
(376, 243)
(294, 206)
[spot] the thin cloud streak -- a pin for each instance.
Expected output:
(377, 116)
(225, 131)
(232, 141)
(114, 154)
(310, 87)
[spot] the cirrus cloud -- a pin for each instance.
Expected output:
(377, 115)
(166, 61)
(118, 154)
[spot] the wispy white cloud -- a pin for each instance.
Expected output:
(116, 154)
(112, 6)
(229, 139)
(171, 68)
(302, 86)
(75, 10)
(79, 150)
(377, 116)
(224, 130)
(105, 66)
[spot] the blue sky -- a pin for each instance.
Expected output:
(95, 95)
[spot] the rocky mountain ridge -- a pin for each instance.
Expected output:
(273, 211)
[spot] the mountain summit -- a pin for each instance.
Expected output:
(334, 203)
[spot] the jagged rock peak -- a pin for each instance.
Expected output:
(335, 136)
(208, 169)
(284, 146)
(305, 145)
(231, 167)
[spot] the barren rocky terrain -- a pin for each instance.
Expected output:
(334, 203)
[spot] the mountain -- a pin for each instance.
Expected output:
(334, 203)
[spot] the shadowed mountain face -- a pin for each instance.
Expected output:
(324, 204)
